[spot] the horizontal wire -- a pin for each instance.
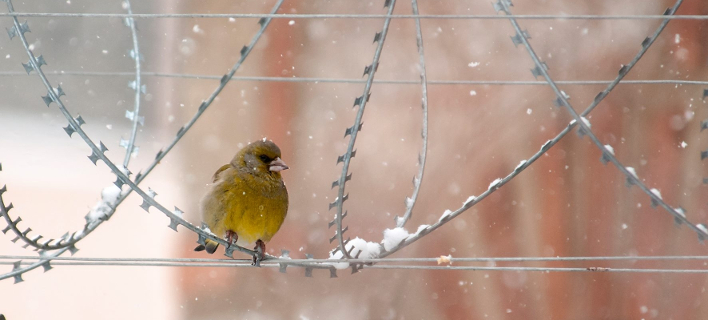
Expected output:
(147, 264)
(590, 269)
(383, 260)
(353, 16)
(347, 80)
(397, 267)
(367, 263)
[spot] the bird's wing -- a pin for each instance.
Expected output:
(218, 172)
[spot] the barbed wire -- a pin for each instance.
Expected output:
(51, 250)
(411, 201)
(66, 240)
(541, 69)
(381, 263)
(134, 116)
(447, 259)
(175, 216)
(358, 81)
(352, 16)
(352, 132)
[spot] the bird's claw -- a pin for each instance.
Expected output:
(260, 253)
(231, 238)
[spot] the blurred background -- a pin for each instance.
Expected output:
(565, 204)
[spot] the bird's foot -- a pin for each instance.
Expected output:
(260, 253)
(231, 238)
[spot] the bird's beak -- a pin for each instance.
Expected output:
(277, 165)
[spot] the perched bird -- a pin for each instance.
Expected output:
(247, 201)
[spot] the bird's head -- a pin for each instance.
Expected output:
(261, 157)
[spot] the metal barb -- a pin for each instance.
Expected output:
(59, 91)
(93, 157)
(357, 101)
(646, 42)
(145, 205)
(498, 6)
(517, 38)
(537, 71)
(69, 129)
(24, 27)
(12, 32)
(308, 271)
(47, 100)
(558, 102)
(335, 236)
(229, 251)
(119, 182)
(16, 266)
(173, 224)
(333, 222)
(201, 238)
(654, 203)
(623, 70)
(47, 265)
(605, 158)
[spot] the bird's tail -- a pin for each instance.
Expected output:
(210, 246)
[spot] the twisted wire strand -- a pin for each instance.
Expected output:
(358, 81)
(353, 16)
(451, 259)
(377, 263)
(395, 267)
(539, 269)
(137, 85)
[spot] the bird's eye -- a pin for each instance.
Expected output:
(264, 158)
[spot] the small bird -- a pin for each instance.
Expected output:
(247, 201)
